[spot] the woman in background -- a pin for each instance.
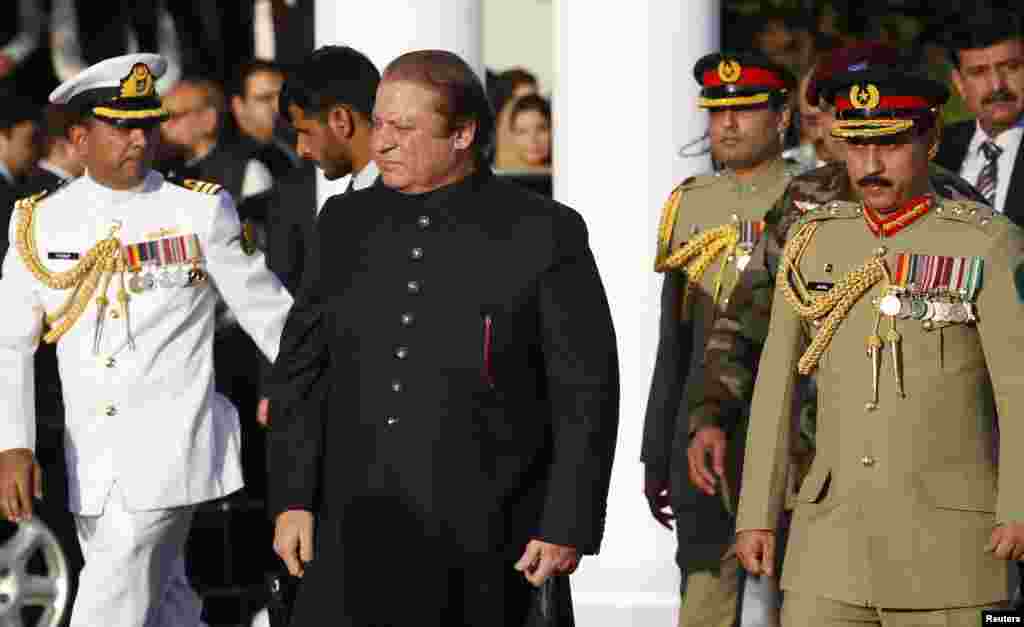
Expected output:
(530, 122)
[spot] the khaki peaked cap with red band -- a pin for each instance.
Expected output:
(740, 80)
(882, 100)
(120, 90)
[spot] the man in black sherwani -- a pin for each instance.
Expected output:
(445, 403)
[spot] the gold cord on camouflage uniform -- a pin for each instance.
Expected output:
(94, 270)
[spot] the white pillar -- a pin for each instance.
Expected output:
(384, 29)
(624, 106)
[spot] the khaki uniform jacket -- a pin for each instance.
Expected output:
(734, 347)
(709, 201)
(900, 501)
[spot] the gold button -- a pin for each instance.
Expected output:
(115, 313)
(735, 218)
(928, 325)
(828, 267)
(867, 461)
(871, 406)
(881, 251)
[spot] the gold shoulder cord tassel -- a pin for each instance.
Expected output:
(699, 253)
(834, 306)
(95, 267)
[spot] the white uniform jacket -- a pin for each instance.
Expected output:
(146, 418)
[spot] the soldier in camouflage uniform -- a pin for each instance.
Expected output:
(709, 227)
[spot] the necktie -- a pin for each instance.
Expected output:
(988, 178)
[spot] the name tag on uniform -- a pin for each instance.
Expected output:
(820, 286)
(62, 256)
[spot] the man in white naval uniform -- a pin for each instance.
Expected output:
(122, 269)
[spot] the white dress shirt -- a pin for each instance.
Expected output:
(1009, 140)
(146, 418)
(359, 180)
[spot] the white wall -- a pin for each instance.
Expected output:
(518, 33)
(384, 29)
(616, 167)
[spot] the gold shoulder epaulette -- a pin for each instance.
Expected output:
(670, 212)
(975, 213)
(203, 187)
(31, 200)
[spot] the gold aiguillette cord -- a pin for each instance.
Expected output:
(895, 345)
(875, 357)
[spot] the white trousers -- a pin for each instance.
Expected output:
(134, 574)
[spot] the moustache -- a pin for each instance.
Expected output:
(999, 95)
(873, 179)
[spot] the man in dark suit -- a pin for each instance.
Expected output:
(59, 160)
(19, 149)
(328, 100)
(987, 52)
(446, 403)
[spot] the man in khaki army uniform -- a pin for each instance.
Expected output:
(709, 226)
(902, 519)
(737, 337)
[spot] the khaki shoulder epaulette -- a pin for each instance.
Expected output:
(832, 210)
(203, 187)
(977, 214)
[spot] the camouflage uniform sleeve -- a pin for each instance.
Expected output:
(734, 345)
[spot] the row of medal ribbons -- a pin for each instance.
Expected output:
(934, 287)
(168, 262)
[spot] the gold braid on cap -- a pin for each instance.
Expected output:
(834, 305)
(95, 267)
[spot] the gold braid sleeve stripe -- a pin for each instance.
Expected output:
(82, 279)
(835, 305)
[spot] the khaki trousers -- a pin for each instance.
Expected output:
(712, 599)
(803, 610)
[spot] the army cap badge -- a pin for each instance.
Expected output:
(740, 80)
(883, 101)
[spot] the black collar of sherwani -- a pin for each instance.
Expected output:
(448, 199)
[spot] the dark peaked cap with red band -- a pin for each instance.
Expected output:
(883, 100)
(740, 80)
